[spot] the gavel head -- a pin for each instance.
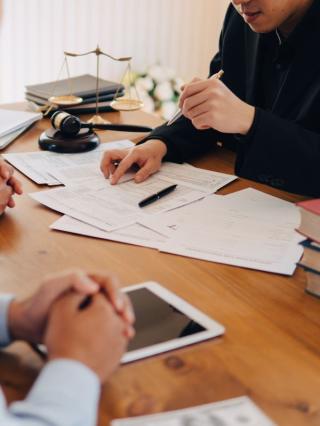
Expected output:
(68, 124)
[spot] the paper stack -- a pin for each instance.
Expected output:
(13, 123)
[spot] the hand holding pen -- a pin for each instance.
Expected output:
(179, 113)
(211, 104)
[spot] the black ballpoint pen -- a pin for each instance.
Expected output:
(154, 197)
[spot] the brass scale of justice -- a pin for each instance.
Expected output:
(68, 133)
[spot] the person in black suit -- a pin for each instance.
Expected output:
(266, 107)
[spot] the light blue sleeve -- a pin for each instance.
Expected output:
(65, 394)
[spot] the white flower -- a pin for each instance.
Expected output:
(163, 91)
(168, 109)
(157, 73)
(148, 103)
(177, 83)
(144, 83)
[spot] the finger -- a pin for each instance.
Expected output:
(192, 81)
(123, 166)
(6, 171)
(56, 285)
(202, 121)
(128, 312)
(194, 101)
(108, 160)
(111, 288)
(151, 166)
(6, 193)
(67, 304)
(192, 89)
(16, 185)
(199, 110)
(11, 203)
(129, 332)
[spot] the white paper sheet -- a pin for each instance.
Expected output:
(109, 207)
(207, 181)
(133, 234)
(40, 166)
(232, 412)
(251, 229)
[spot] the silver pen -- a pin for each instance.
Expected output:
(178, 114)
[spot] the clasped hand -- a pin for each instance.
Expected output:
(96, 336)
(9, 186)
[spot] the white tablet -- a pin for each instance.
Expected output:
(164, 322)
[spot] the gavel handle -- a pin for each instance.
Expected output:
(121, 127)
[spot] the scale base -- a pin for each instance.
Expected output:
(97, 119)
(53, 140)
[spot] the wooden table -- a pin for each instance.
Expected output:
(271, 348)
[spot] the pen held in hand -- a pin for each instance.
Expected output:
(178, 114)
(154, 197)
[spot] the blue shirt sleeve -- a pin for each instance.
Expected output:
(65, 394)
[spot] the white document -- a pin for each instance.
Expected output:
(12, 120)
(7, 139)
(41, 166)
(182, 174)
(250, 229)
(207, 181)
(110, 207)
(132, 234)
(232, 412)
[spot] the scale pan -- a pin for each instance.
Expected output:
(125, 104)
(65, 100)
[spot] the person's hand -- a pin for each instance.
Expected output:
(27, 319)
(210, 104)
(147, 156)
(9, 186)
(95, 336)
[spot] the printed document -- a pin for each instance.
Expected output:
(109, 207)
(248, 229)
(231, 412)
(133, 234)
(41, 166)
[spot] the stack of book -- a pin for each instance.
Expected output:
(84, 86)
(310, 227)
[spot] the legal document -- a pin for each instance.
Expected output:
(133, 234)
(231, 412)
(41, 166)
(248, 229)
(109, 207)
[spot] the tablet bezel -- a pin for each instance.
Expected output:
(213, 328)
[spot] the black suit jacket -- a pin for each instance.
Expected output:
(282, 148)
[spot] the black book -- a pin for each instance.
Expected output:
(102, 98)
(82, 85)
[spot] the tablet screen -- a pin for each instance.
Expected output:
(157, 321)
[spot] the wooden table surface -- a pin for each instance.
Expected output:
(271, 348)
